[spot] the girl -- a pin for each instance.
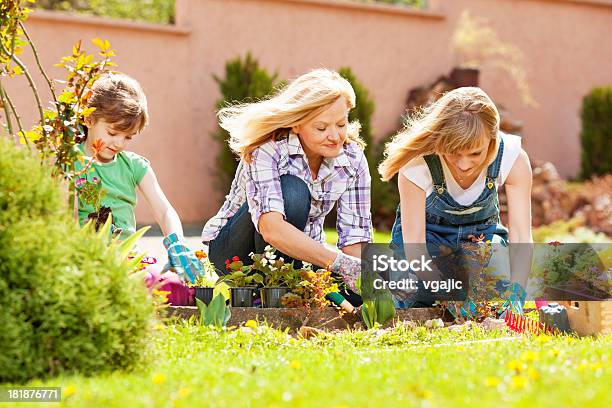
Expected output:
(299, 156)
(450, 161)
(120, 114)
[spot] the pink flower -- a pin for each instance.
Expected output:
(79, 182)
(95, 179)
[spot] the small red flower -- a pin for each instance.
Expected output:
(235, 259)
(227, 261)
(555, 243)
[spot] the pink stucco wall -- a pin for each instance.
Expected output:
(390, 50)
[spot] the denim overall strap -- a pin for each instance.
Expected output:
(495, 167)
(437, 173)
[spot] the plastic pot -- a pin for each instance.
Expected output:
(204, 294)
(242, 297)
(271, 297)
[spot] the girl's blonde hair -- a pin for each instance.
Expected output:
(120, 101)
(462, 119)
(252, 124)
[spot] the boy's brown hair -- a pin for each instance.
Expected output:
(120, 101)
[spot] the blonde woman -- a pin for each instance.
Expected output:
(450, 161)
(299, 156)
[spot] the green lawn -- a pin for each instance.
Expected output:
(380, 237)
(195, 366)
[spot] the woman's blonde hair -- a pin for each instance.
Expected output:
(461, 120)
(253, 124)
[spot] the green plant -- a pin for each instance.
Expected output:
(275, 271)
(244, 81)
(240, 275)
(67, 300)
(217, 313)
(154, 11)
(378, 306)
(596, 116)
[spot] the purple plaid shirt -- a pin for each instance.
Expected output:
(344, 179)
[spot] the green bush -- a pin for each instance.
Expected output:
(596, 132)
(244, 81)
(66, 301)
(152, 11)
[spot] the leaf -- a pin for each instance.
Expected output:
(202, 308)
(88, 111)
(103, 45)
(67, 97)
(127, 244)
(104, 232)
(30, 135)
(17, 70)
(76, 48)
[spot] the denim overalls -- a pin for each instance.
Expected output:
(449, 223)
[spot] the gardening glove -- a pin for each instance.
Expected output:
(182, 259)
(349, 269)
(515, 296)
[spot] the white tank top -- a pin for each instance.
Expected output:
(417, 171)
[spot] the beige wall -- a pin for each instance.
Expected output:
(390, 50)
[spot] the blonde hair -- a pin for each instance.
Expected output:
(462, 119)
(120, 101)
(252, 124)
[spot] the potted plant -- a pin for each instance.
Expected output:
(276, 276)
(477, 44)
(243, 281)
(204, 285)
(92, 193)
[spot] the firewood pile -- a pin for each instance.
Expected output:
(553, 199)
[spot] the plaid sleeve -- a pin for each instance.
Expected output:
(263, 187)
(354, 222)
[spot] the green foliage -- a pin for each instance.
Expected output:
(244, 81)
(217, 313)
(241, 275)
(568, 231)
(596, 132)
(378, 306)
(153, 11)
(362, 112)
(66, 301)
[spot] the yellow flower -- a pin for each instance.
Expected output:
(533, 374)
(295, 364)
(159, 327)
(69, 390)
(543, 338)
(159, 378)
(518, 382)
(492, 381)
(515, 365)
(251, 323)
(555, 352)
(529, 356)
(596, 366)
(183, 392)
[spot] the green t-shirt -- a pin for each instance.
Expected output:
(120, 179)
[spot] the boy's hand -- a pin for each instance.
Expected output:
(182, 259)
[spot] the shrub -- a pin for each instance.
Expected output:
(244, 81)
(66, 301)
(596, 132)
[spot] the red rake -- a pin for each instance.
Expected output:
(521, 324)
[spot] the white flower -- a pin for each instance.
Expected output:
(306, 265)
(251, 254)
(282, 259)
(264, 261)
(269, 248)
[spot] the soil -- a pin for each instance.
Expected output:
(100, 217)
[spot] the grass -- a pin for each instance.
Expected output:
(380, 237)
(196, 366)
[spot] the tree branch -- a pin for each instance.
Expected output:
(42, 71)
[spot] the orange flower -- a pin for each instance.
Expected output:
(97, 146)
(200, 254)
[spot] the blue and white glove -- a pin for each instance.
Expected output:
(182, 259)
(515, 296)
